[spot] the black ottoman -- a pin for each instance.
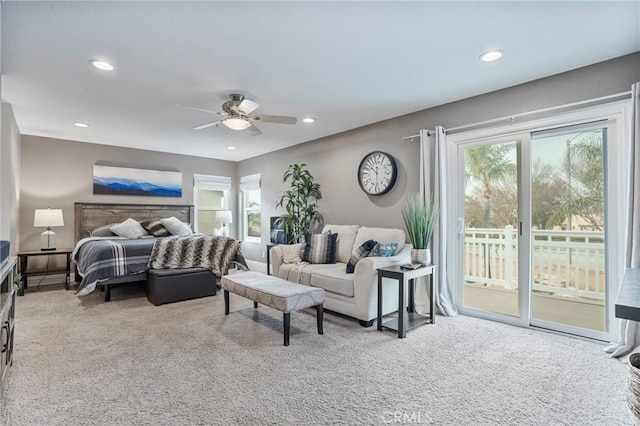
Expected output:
(174, 285)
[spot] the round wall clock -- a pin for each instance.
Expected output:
(377, 173)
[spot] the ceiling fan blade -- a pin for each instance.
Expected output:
(274, 119)
(200, 109)
(246, 107)
(205, 125)
(254, 130)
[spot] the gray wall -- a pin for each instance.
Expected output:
(9, 178)
(57, 173)
(334, 160)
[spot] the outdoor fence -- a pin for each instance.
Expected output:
(567, 263)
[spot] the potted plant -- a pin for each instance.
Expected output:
(420, 220)
(300, 202)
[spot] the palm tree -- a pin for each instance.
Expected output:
(489, 164)
(585, 167)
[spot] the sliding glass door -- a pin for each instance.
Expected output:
(535, 220)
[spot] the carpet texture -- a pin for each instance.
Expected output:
(81, 361)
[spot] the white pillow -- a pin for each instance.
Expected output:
(176, 226)
(130, 228)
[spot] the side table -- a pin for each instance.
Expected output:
(24, 260)
(407, 318)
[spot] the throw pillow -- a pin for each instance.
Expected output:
(130, 228)
(384, 249)
(103, 231)
(176, 227)
(319, 248)
(155, 228)
(361, 252)
(290, 253)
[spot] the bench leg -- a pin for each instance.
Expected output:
(286, 319)
(226, 302)
(320, 318)
(255, 305)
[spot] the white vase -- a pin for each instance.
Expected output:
(422, 256)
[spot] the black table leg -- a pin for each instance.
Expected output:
(255, 305)
(23, 270)
(379, 301)
(226, 302)
(412, 306)
(431, 297)
(67, 283)
(402, 317)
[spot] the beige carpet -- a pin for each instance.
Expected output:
(127, 362)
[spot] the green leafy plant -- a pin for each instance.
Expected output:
(300, 203)
(420, 220)
(17, 278)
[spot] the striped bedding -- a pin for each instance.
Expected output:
(98, 259)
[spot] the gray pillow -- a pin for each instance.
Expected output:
(176, 226)
(103, 231)
(130, 228)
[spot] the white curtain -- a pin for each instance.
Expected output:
(629, 329)
(433, 186)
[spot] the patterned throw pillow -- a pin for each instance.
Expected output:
(176, 227)
(130, 228)
(384, 249)
(319, 248)
(155, 228)
(362, 251)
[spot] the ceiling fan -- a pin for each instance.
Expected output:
(237, 115)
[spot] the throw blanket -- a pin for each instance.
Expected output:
(200, 251)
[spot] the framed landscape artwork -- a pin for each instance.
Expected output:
(126, 181)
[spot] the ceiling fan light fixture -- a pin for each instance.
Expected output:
(308, 120)
(236, 123)
(79, 124)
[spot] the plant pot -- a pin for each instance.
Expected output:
(633, 391)
(422, 256)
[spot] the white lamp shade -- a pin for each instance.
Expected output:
(224, 216)
(48, 218)
(236, 123)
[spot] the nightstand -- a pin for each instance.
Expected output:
(24, 259)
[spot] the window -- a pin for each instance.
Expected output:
(251, 207)
(210, 194)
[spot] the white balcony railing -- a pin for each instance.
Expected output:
(569, 263)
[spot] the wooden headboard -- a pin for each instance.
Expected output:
(89, 216)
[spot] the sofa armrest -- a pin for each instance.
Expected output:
(365, 280)
(275, 255)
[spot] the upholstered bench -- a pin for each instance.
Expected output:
(276, 293)
(175, 285)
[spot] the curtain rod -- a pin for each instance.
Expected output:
(513, 117)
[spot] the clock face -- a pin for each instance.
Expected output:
(377, 173)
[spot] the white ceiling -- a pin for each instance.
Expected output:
(348, 64)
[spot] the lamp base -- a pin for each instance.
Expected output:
(48, 240)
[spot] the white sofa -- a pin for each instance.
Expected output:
(356, 294)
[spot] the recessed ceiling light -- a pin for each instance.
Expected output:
(102, 65)
(83, 125)
(308, 120)
(491, 55)
(231, 148)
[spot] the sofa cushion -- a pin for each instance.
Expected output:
(319, 248)
(381, 235)
(290, 253)
(301, 272)
(384, 250)
(333, 280)
(346, 237)
(363, 251)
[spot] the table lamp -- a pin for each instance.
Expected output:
(48, 218)
(224, 217)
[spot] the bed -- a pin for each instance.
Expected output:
(105, 261)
